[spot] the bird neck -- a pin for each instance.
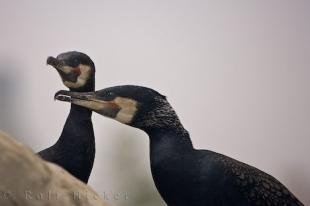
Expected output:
(169, 140)
(79, 112)
(78, 129)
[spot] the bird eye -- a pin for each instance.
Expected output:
(109, 94)
(75, 62)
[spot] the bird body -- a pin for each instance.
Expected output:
(75, 148)
(186, 176)
(183, 175)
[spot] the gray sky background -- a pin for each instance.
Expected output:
(237, 73)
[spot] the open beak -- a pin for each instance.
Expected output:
(90, 101)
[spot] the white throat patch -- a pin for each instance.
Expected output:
(128, 109)
(82, 78)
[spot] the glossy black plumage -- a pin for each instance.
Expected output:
(75, 148)
(183, 175)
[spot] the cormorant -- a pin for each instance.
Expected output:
(184, 176)
(75, 148)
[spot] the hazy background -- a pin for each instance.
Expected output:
(237, 73)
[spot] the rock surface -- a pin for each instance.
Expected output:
(27, 180)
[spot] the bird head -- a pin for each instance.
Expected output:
(76, 69)
(136, 106)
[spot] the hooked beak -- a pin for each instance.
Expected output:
(54, 62)
(90, 101)
(66, 72)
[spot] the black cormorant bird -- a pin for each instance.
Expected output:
(75, 148)
(183, 175)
